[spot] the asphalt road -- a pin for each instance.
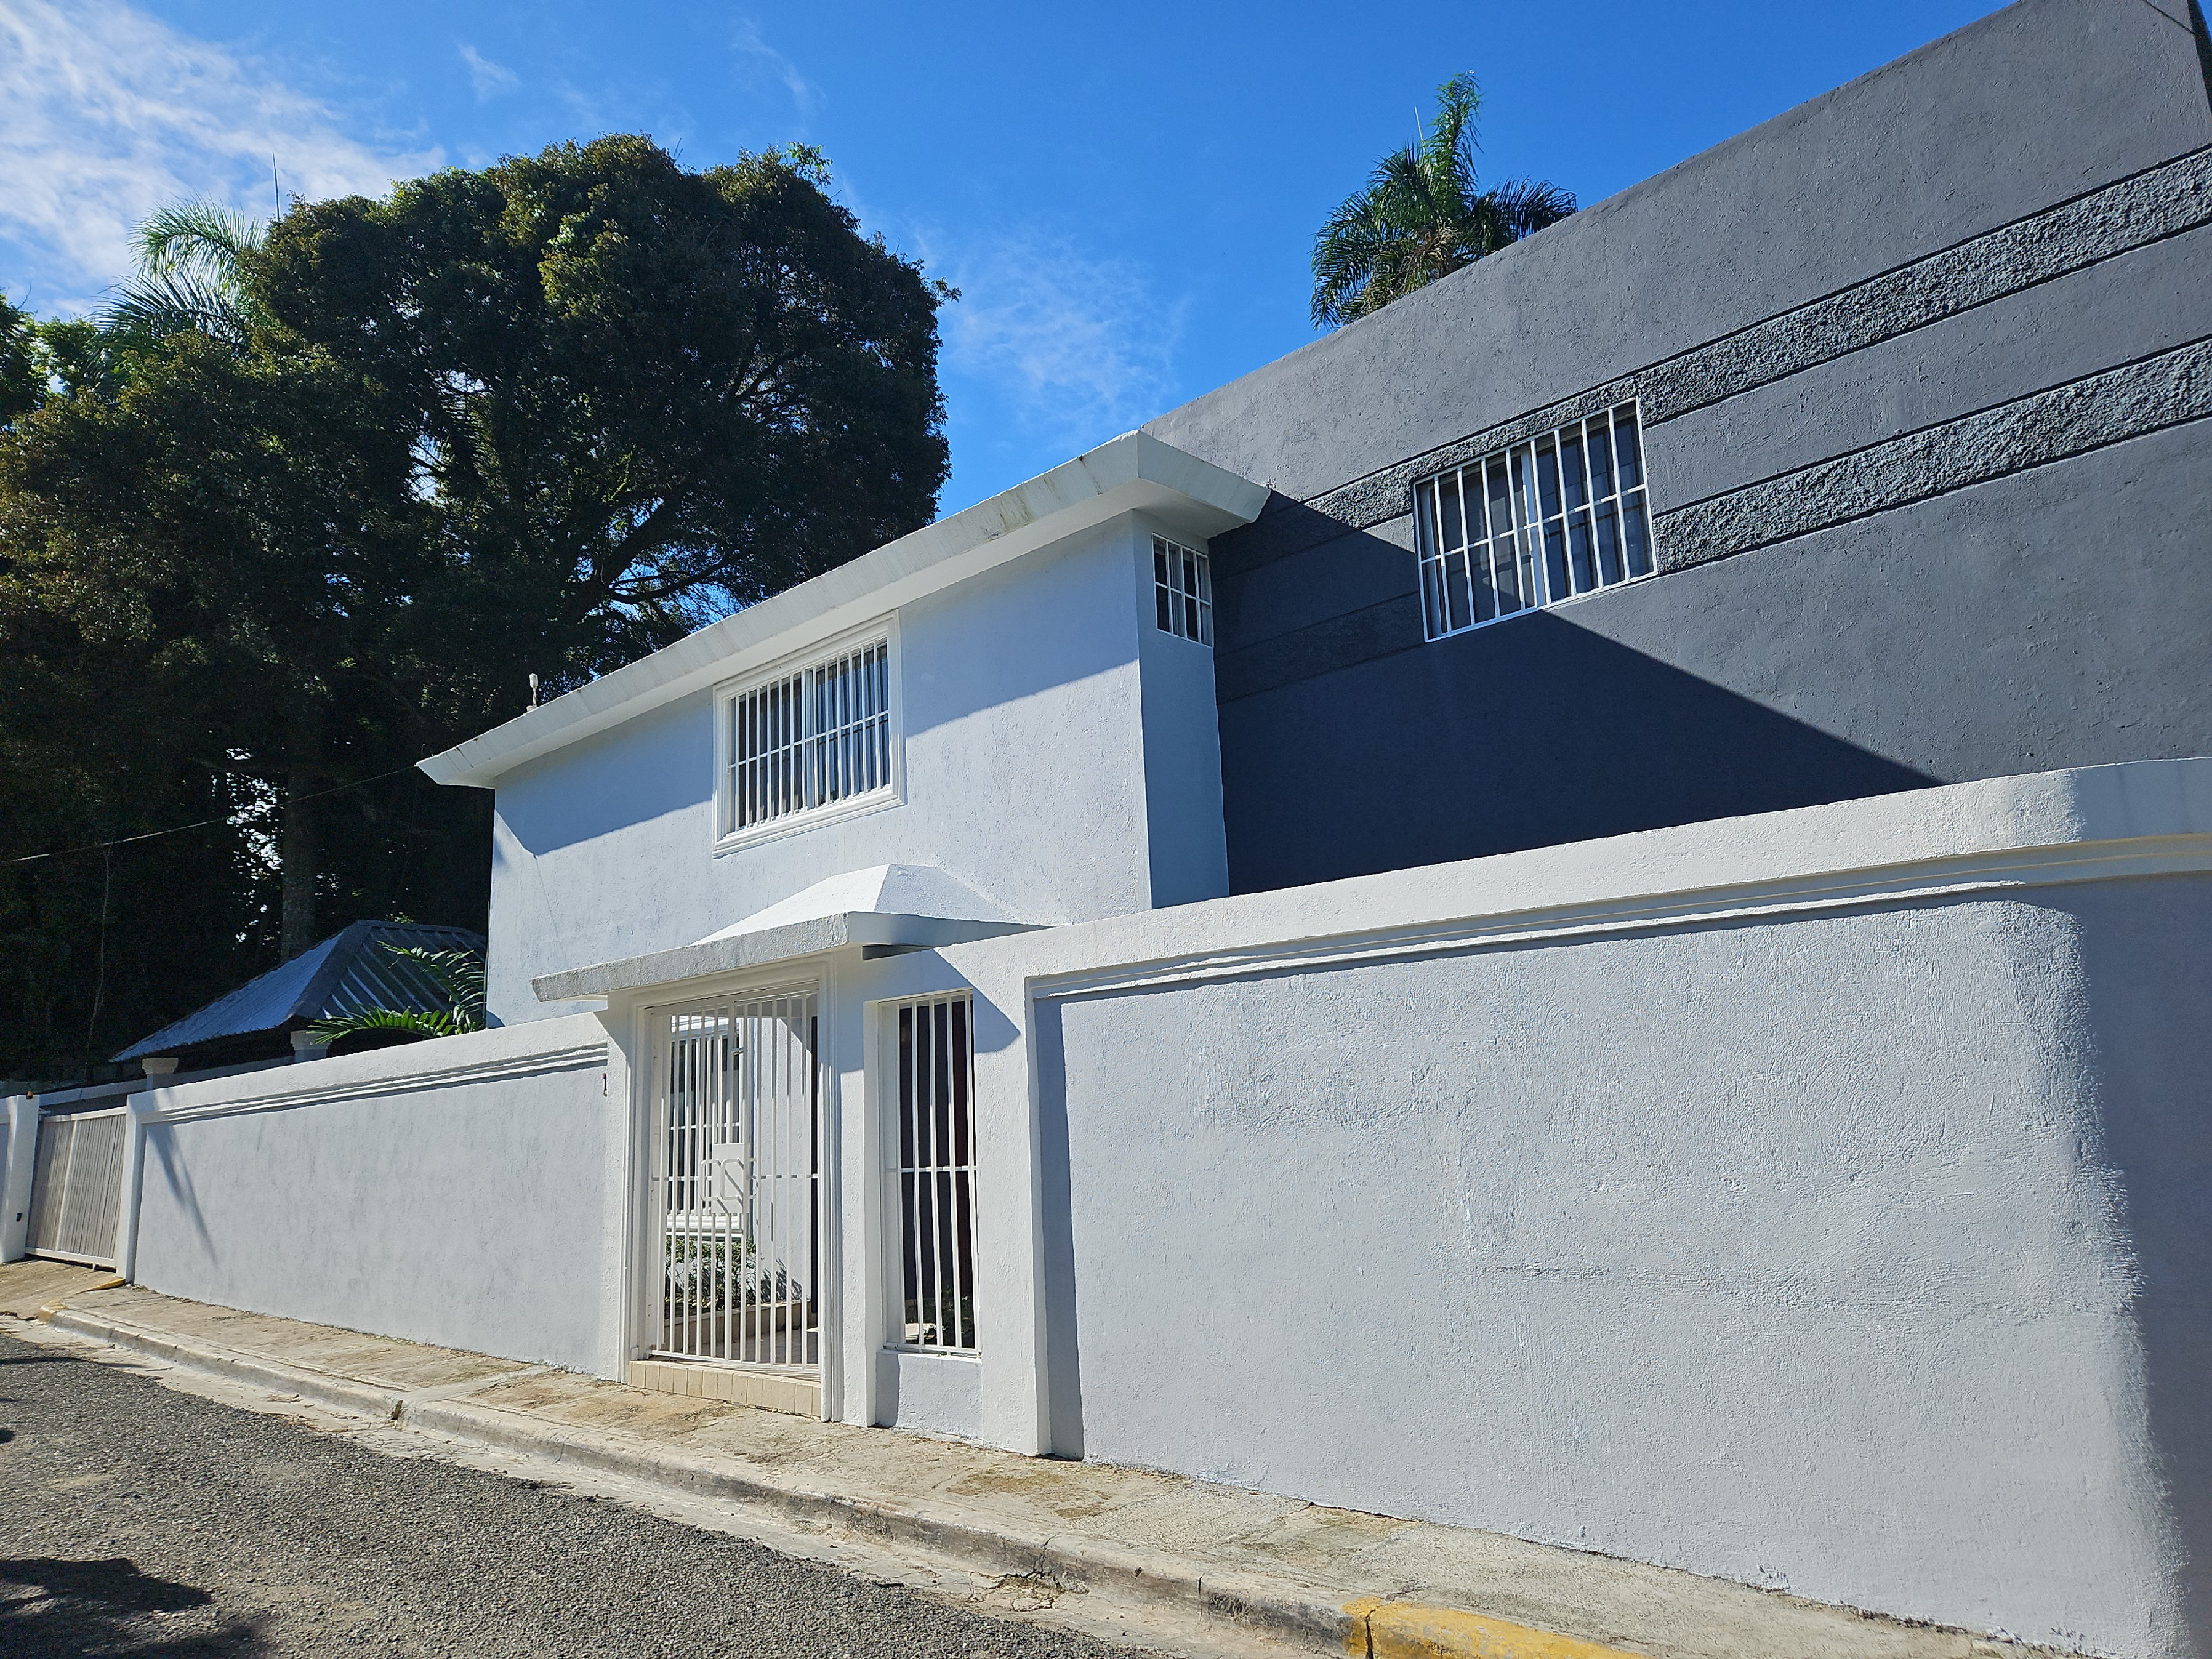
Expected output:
(135, 1520)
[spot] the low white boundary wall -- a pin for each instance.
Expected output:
(455, 1192)
(1813, 1200)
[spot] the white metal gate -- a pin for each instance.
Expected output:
(77, 1187)
(737, 1181)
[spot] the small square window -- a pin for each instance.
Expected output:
(1183, 592)
(1560, 514)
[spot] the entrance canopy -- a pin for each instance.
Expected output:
(886, 906)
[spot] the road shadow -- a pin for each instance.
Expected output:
(50, 1607)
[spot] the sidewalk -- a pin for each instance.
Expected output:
(1245, 1570)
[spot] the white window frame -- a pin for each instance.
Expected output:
(1547, 545)
(729, 835)
(902, 1230)
(1183, 590)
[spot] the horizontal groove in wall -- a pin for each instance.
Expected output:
(2040, 429)
(2163, 201)
(2131, 401)
(1363, 635)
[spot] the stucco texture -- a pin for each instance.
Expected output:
(471, 1216)
(1861, 1255)
(1031, 700)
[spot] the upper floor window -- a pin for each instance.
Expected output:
(808, 739)
(1183, 592)
(1561, 514)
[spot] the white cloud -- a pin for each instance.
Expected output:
(1082, 347)
(490, 79)
(804, 93)
(106, 114)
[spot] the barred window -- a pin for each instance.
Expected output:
(1561, 514)
(808, 739)
(936, 1173)
(1183, 592)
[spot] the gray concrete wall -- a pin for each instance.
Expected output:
(1858, 1254)
(454, 1192)
(1956, 312)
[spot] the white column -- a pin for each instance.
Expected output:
(864, 1315)
(623, 1083)
(21, 1154)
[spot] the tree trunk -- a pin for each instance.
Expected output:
(299, 850)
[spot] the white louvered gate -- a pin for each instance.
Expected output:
(737, 1181)
(77, 1187)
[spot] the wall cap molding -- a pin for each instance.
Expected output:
(533, 1050)
(2131, 821)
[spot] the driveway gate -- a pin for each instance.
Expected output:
(77, 1187)
(737, 1181)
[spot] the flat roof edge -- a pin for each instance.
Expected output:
(1133, 472)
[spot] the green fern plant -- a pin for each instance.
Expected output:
(458, 974)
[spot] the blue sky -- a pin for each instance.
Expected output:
(1125, 196)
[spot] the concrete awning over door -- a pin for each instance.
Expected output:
(884, 907)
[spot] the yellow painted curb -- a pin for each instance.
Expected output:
(1407, 1630)
(45, 1314)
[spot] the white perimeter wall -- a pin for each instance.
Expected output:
(1028, 697)
(1816, 1201)
(463, 1192)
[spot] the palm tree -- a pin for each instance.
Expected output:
(192, 274)
(1422, 215)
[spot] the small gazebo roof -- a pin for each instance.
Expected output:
(347, 972)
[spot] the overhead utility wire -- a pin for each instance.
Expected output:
(179, 829)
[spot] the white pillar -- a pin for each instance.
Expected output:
(19, 1162)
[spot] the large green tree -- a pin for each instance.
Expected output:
(1423, 215)
(313, 500)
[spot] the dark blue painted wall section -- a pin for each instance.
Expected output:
(1925, 375)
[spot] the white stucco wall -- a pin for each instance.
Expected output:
(1814, 1199)
(1029, 695)
(455, 1192)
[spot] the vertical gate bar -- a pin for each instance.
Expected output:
(962, 1132)
(940, 1020)
(919, 1029)
(775, 1278)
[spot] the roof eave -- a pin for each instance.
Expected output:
(1136, 472)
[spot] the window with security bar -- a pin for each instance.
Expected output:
(1183, 590)
(809, 739)
(1560, 514)
(936, 1174)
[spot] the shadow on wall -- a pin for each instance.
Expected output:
(1532, 733)
(1063, 1358)
(160, 1143)
(2144, 960)
(661, 763)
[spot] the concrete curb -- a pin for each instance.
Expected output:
(1371, 1628)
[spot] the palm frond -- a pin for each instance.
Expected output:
(384, 1019)
(460, 977)
(197, 235)
(1525, 206)
(192, 274)
(1423, 214)
(149, 309)
(459, 974)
